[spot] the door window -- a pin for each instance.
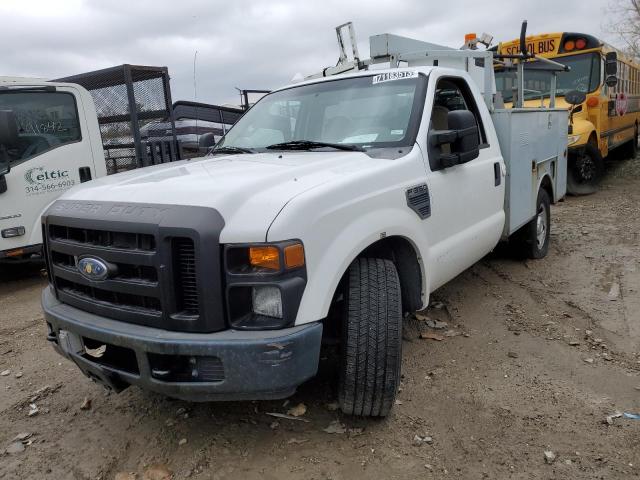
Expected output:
(44, 120)
(450, 95)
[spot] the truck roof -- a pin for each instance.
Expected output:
(23, 80)
(360, 73)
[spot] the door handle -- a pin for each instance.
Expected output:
(497, 177)
(85, 174)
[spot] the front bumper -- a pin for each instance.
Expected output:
(253, 365)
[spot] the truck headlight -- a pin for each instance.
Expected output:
(264, 284)
(267, 301)
(573, 139)
(265, 258)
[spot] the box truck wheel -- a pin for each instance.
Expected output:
(533, 238)
(371, 352)
(584, 170)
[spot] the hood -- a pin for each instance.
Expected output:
(252, 186)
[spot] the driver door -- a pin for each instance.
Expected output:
(467, 214)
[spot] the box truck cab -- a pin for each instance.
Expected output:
(49, 142)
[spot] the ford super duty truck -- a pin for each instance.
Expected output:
(332, 207)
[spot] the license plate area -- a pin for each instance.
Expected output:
(110, 356)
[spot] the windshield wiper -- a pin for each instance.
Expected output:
(309, 145)
(231, 150)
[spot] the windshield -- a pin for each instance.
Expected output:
(365, 112)
(44, 120)
(584, 76)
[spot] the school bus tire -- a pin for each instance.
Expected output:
(585, 169)
(634, 144)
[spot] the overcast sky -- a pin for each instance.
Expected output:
(250, 44)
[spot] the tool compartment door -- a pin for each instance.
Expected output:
(534, 145)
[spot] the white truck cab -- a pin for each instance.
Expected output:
(332, 207)
(44, 129)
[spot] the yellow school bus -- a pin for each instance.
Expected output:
(608, 117)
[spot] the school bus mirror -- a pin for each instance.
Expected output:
(575, 97)
(611, 64)
(611, 81)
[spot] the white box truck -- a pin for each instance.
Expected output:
(57, 134)
(328, 210)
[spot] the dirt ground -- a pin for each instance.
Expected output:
(535, 356)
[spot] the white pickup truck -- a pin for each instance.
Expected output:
(331, 208)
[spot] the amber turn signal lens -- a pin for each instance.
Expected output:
(592, 102)
(265, 257)
(569, 46)
(294, 256)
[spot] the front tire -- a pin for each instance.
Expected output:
(371, 353)
(535, 236)
(585, 171)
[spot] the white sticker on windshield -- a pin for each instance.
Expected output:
(362, 138)
(391, 76)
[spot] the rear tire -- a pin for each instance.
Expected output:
(371, 353)
(533, 238)
(631, 148)
(585, 171)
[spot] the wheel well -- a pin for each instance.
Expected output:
(403, 254)
(547, 186)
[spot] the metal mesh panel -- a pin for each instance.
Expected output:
(127, 98)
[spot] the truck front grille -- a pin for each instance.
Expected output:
(132, 292)
(159, 261)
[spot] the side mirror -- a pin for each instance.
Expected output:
(8, 138)
(575, 97)
(611, 64)
(611, 81)
(462, 137)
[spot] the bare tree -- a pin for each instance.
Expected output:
(624, 21)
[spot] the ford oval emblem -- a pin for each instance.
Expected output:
(93, 268)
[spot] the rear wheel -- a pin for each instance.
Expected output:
(584, 171)
(533, 238)
(371, 339)
(631, 148)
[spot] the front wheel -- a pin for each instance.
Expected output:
(371, 339)
(584, 171)
(533, 238)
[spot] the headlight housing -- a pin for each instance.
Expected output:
(264, 284)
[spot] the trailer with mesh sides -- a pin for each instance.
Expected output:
(129, 99)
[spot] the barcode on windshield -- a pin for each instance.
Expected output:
(391, 76)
